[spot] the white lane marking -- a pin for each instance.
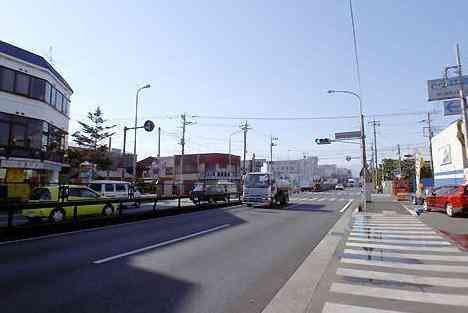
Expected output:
(391, 227)
(397, 247)
(332, 199)
(380, 215)
(321, 199)
(330, 307)
(410, 211)
(360, 230)
(402, 295)
(358, 218)
(427, 257)
(346, 206)
(395, 236)
(402, 241)
(161, 244)
(406, 266)
(405, 278)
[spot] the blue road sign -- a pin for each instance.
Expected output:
(452, 107)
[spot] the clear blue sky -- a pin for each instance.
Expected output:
(246, 58)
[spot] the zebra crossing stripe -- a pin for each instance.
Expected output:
(332, 199)
(403, 241)
(406, 266)
(390, 227)
(399, 247)
(402, 295)
(412, 225)
(394, 236)
(404, 278)
(345, 308)
(361, 230)
(427, 257)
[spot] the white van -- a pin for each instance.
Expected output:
(114, 189)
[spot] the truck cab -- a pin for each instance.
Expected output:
(261, 189)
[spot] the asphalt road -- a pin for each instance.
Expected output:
(219, 260)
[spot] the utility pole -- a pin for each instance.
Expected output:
(245, 127)
(430, 135)
(109, 151)
(182, 143)
(272, 144)
(159, 142)
(462, 98)
(399, 158)
(124, 165)
(374, 124)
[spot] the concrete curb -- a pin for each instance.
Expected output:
(296, 294)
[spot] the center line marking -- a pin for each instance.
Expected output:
(161, 244)
(346, 206)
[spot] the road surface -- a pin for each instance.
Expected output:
(220, 260)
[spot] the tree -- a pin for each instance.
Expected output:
(90, 137)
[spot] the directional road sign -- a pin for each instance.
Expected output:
(348, 135)
(441, 89)
(452, 107)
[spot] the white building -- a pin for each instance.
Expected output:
(34, 117)
(449, 156)
(300, 172)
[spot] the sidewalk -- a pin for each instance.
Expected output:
(387, 261)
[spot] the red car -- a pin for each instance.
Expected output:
(451, 199)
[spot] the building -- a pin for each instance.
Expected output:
(299, 172)
(191, 168)
(449, 156)
(254, 165)
(156, 168)
(34, 117)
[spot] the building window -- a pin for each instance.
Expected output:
(48, 90)
(22, 84)
(45, 136)
(53, 97)
(18, 134)
(7, 79)
(58, 100)
(38, 88)
(4, 133)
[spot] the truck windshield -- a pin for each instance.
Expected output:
(257, 181)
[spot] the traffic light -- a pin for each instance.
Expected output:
(323, 141)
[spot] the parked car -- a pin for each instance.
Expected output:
(213, 192)
(450, 199)
(339, 187)
(55, 215)
(115, 189)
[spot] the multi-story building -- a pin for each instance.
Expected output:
(191, 168)
(34, 117)
(299, 172)
(254, 165)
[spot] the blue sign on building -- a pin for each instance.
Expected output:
(452, 107)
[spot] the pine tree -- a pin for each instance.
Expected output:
(91, 135)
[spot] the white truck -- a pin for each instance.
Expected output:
(261, 189)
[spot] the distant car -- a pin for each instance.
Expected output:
(213, 192)
(339, 187)
(115, 189)
(56, 215)
(450, 199)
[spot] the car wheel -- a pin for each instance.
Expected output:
(426, 207)
(108, 210)
(57, 216)
(449, 210)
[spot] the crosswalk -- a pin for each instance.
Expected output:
(320, 199)
(397, 264)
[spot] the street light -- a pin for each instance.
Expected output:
(135, 130)
(365, 195)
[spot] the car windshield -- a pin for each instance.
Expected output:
(257, 181)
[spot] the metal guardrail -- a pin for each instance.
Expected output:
(13, 206)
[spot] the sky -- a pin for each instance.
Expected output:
(224, 62)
